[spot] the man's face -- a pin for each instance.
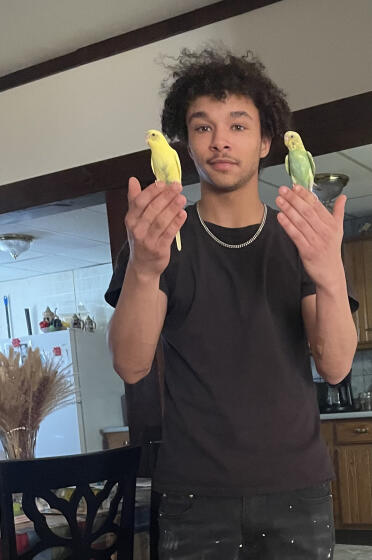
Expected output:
(225, 140)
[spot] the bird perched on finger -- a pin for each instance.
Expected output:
(299, 162)
(165, 163)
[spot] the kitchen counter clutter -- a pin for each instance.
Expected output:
(348, 436)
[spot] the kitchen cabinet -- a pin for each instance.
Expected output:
(115, 437)
(357, 255)
(350, 447)
(326, 429)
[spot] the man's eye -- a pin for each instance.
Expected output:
(203, 128)
(238, 127)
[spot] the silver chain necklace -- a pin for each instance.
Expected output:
(240, 245)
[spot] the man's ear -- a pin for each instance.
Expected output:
(265, 146)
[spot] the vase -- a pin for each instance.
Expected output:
(19, 443)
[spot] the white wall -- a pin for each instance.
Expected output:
(317, 51)
(69, 292)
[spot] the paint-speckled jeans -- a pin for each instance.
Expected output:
(296, 525)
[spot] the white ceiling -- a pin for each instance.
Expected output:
(80, 238)
(34, 31)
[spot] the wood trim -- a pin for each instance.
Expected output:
(117, 206)
(133, 39)
(330, 127)
(105, 175)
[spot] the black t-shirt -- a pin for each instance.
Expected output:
(241, 414)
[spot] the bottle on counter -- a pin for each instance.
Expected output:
(366, 400)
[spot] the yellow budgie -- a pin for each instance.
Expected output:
(165, 163)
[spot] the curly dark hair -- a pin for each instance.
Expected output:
(217, 72)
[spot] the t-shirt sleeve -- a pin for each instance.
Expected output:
(113, 291)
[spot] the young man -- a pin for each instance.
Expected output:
(242, 469)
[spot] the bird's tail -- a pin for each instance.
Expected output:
(178, 241)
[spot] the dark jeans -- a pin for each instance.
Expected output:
(279, 526)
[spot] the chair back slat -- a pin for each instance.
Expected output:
(37, 478)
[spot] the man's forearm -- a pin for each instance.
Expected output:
(136, 325)
(335, 334)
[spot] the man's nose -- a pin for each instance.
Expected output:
(219, 142)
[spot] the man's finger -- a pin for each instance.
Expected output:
(134, 189)
(174, 226)
(145, 197)
(301, 199)
(339, 208)
(160, 219)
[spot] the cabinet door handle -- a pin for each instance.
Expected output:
(361, 430)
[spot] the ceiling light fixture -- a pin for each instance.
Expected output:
(329, 185)
(15, 243)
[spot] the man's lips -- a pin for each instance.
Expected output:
(222, 163)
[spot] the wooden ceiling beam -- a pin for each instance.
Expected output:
(133, 39)
(330, 127)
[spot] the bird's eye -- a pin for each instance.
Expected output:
(153, 134)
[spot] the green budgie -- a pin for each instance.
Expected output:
(299, 163)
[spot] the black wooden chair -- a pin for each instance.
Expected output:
(115, 469)
(146, 469)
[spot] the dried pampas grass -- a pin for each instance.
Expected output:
(28, 393)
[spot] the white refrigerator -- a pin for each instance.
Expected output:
(76, 428)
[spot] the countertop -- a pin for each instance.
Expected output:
(112, 429)
(334, 416)
(347, 415)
